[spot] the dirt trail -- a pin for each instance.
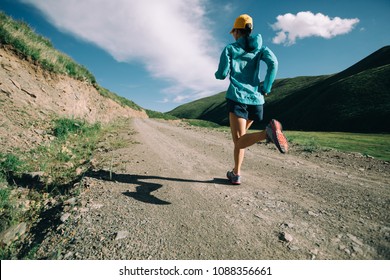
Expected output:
(169, 199)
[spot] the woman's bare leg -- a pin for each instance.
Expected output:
(241, 139)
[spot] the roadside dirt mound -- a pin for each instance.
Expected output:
(30, 97)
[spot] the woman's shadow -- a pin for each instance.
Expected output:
(144, 189)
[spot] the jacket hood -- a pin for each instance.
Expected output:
(255, 42)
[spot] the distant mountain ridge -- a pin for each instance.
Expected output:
(354, 100)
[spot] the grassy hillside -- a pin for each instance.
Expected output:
(19, 37)
(354, 100)
(210, 108)
(356, 103)
(213, 108)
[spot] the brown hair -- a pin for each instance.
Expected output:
(246, 32)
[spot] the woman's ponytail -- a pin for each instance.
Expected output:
(246, 32)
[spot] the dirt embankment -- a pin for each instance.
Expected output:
(31, 97)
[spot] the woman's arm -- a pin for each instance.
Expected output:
(272, 68)
(224, 65)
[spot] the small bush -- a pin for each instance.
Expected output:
(310, 146)
(64, 127)
(7, 209)
(9, 164)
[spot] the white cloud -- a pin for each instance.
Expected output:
(306, 24)
(170, 37)
(228, 8)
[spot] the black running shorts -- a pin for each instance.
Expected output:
(248, 112)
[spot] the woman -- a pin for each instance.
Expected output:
(245, 97)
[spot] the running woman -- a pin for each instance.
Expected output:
(245, 96)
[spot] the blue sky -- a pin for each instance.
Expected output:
(163, 53)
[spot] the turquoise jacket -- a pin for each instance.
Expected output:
(244, 69)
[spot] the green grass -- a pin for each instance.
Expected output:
(73, 147)
(375, 145)
(9, 164)
(193, 122)
(124, 102)
(64, 126)
(202, 123)
(8, 212)
(61, 160)
(158, 115)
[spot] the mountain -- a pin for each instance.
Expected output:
(354, 100)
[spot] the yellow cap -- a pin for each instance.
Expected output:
(242, 21)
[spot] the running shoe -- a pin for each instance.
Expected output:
(276, 136)
(233, 178)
